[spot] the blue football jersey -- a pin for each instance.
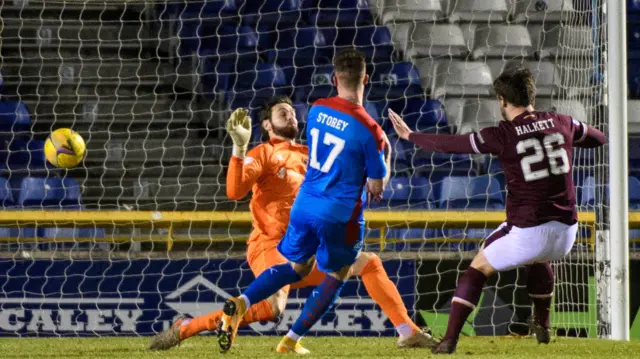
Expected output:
(346, 146)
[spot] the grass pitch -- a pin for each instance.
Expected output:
(323, 347)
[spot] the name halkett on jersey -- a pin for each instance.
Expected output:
(534, 127)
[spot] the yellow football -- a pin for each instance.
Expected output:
(65, 148)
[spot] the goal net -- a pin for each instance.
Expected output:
(149, 84)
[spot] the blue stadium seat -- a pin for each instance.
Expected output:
(470, 192)
(14, 116)
(633, 11)
(420, 115)
(49, 193)
(403, 193)
(372, 110)
(295, 48)
(401, 155)
(341, 13)
(302, 110)
(374, 41)
(634, 155)
(394, 81)
(267, 80)
(27, 155)
(273, 12)
(633, 77)
(634, 193)
(6, 195)
(313, 82)
(439, 165)
(494, 169)
(633, 41)
(62, 232)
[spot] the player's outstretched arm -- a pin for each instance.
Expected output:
(243, 171)
(460, 144)
(590, 138)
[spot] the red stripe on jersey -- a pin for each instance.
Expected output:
(356, 111)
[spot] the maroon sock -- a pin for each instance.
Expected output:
(469, 289)
(540, 287)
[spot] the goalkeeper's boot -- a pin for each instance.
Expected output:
(446, 346)
(542, 334)
(168, 338)
(288, 345)
(419, 339)
(233, 311)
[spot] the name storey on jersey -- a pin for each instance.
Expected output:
(331, 121)
(534, 127)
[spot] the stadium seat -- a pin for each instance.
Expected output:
(477, 11)
(477, 114)
(49, 193)
(633, 78)
(398, 11)
(400, 155)
(634, 193)
(633, 11)
(459, 78)
(372, 40)
(313, 82)
(26, 155)
(6, 195)
(493, 168)
(502, 41)
(267, 80)
(407, 193)
(341, 13)
(566, 41)
(543, 11)
(470, 192)
(14, 117)
(633, 41)
(420, 114)
(432, 40)
(572, 108)
(545, 73)
(633, 116)
(634, 155)
(71, 233)
(272, 13)
(440, 165)
(394, 81)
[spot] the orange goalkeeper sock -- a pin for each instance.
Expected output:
(257, 313)
(382, 290)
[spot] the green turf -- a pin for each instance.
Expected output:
(326, 347)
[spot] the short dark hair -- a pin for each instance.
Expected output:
(516, 86)
(265, 111)
(350, 63)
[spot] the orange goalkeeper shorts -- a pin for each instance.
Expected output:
(262, 253)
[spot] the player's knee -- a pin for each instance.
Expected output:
(481, 263)
(303, 269)
(363, 259)
(278, 303)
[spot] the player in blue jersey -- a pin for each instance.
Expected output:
(346, 164)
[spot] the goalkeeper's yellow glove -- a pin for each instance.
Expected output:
(239, 128)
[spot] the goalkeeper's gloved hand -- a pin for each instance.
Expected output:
(239, 128)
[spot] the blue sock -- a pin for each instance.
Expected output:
(270, 282)
(317, 304)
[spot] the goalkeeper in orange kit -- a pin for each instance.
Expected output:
(274, 172)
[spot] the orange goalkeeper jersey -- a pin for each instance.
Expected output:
(274, 172)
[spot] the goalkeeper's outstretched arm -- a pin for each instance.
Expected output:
(244, 169)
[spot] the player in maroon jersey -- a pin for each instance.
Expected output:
(536, 150)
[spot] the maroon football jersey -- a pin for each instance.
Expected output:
(536, 151)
